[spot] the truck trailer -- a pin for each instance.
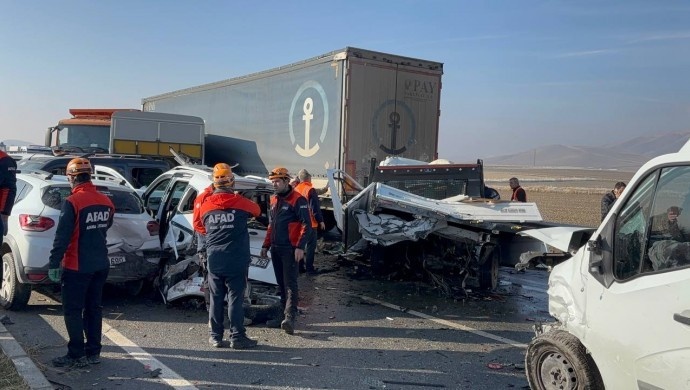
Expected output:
(340, 110)
(128, 132)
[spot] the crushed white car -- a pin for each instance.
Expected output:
(133, 244)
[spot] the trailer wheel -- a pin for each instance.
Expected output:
(557, 360)
(488, 271)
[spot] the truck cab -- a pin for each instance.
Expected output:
(128, 132)
(620, 300)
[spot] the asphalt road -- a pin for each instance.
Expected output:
(353, 333)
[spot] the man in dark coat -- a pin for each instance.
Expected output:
(610, 197)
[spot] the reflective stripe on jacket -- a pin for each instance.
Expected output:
(290, 221)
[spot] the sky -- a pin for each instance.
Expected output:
(517, 74)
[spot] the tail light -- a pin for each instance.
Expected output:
(153, 227)
(35, 223)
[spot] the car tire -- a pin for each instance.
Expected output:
(557, 360)
(133, 287)
(14, 295)
(488, 271)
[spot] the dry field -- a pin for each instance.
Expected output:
(571, 196)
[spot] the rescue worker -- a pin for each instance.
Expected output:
(79, 260)
(287, 234)
(305, 188)
(8, 189)
(519, 194)
(224, 217)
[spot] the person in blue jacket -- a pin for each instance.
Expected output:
(79, 260)
(224, 216)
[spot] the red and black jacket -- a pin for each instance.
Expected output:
(80, 238)
(8, 183)
(225, 215)
(290, 221)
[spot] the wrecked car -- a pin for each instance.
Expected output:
(618, 294)
(170, 197)
(133, 245)
(433, 219)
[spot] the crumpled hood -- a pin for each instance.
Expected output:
(564, 238)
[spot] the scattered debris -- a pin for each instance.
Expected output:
(5, 320)
(495, 366)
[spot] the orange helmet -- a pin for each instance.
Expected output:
(78, 165)
(222, 175)
(279, 173)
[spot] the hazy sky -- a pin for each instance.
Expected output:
(517, 73)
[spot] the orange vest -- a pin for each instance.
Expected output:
(303, 188)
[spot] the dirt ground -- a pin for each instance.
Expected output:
(571, 196)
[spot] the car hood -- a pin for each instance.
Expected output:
(567, 239)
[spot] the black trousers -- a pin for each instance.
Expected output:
(82, 295)
(219, 286)
(286, 271)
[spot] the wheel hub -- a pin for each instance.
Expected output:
(557, 372)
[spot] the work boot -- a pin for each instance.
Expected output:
(275, 323)
(288, 325)
(217, 343)
(94, 359)
(243, 342)
(68, 361)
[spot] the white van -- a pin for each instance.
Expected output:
(622, 300)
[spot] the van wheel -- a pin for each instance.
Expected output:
(557, 360)
(488, 271)
(14, 295)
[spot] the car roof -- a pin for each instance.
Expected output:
(45, 178)
(202, 176)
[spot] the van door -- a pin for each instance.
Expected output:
(638, 329)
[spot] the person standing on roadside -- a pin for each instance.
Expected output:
(8, 189)
(224, 215)
(519, 194)
(287, 234)
(610, 198)
(79, 260)
(308, 192)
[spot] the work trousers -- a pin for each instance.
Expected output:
(82, 295)
(286, 271)
(310, 249)
(233, 286)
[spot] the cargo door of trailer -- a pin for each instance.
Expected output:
(393, 110)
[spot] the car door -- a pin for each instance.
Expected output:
(638, 328)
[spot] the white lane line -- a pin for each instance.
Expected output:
(167, 375)
(451, 324)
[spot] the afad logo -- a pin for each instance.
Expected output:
(305, 117)
(393, 126)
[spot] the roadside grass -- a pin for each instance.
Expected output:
(9, 378)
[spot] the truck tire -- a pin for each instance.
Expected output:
(557, 360)
(14, 295)
(488, 272)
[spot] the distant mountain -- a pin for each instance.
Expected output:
(16, 142)
(625, 156)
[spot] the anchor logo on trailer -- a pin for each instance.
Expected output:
(394, 119)
(308, 150)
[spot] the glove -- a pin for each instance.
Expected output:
(4, 224)
(55, 274)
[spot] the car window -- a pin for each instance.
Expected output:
(144, 176)
(187, 204)
(652, 230)
(177, 191)
(125, 201)
(154, 197)
(23, 188)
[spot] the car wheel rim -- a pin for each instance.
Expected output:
(556, 372)
(5, 289)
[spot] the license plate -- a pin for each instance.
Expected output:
(115, 260)
(261, 262)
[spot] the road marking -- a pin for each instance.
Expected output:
(451, 324)
(167, 375)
